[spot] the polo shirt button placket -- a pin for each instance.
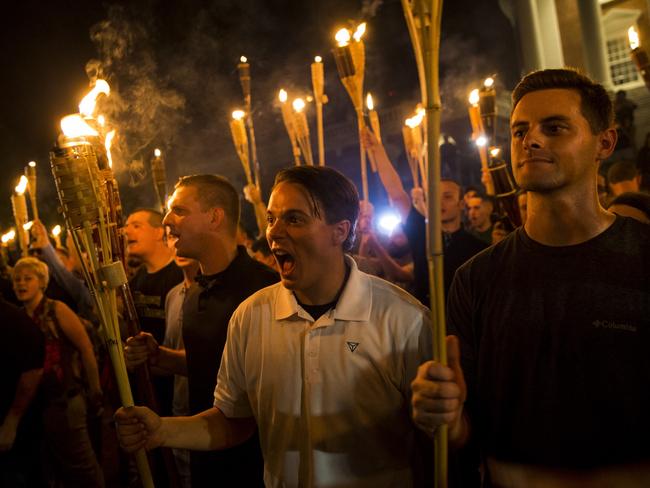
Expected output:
(312, 347)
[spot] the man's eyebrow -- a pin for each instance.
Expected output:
(545, 120)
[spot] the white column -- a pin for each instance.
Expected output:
(593, 41)
(529, 34)
(550, 34)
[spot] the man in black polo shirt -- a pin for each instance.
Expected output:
(203, 218)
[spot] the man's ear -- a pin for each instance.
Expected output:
(341, 232)
(217, 216)
(606, 143)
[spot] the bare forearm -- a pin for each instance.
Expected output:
(459, 433)
(25, 392)
(393, 184)
(210, 430)
(172, 361)
(390, 267)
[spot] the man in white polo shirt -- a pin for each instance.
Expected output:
(321, 362)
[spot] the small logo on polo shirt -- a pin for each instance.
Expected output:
(606, 324)
(352, 345)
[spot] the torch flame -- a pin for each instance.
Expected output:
(107, 144)
(22, 185)
(633, 37)
(495, 151)
(414, 121)
(481, 141)
(474, 97)
(87, 105)
(56, 230)
(101, 120)
(157, 153)
(243, 59)
(28, 225)
(342, 37)
(361, 30)
(489, 82)
(9, 236)
(298, 104)
(75, 126)
(369, 102)
(238, 114)
(282, 96)
(32, 164)
(318, 59)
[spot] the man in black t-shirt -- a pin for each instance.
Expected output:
(551, 382)
(203, 219)
(21, 368)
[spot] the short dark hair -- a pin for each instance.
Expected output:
(595, 104)
(638, 200)
(331, 193)
(621, 171)
(215, 191)
(155, 217)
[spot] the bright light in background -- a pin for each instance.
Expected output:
(388, 222)
(238, 114)
(489, 82)
(318, 59)
(342, 37)
(28, 225)
(495, 151)
(298, 104)
(56, 230)
(282, 96)
(157, 153)
(481, 141)
(361, 30)
(633, 37)
(9, 236)
(474, 97)
(22, 185)
(243, 59)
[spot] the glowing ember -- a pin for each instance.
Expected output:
(243, 59)
(298, 104)
(489, 82)
(87, 105)
(474, 97)
(22, 185)
(28, 225)
(495, 151)
(282, 96)
(342, 37)
(318, 59)
(633, 37)
(9, 236)
(369, 103)
(361, 30)
(76, 126)
(56, 230)
(107, 144)
(157, 153)
(238, 114)
(481, 141)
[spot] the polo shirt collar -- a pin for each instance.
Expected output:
(354, 304)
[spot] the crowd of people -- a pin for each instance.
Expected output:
(303, 357)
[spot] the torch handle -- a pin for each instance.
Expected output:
(321, 138)
(362, 155)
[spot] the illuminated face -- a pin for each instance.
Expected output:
(189, 226)
(27, 285)
(552, 145)
(142, 238)
(478, 212)
(305, 247)
(450, 202)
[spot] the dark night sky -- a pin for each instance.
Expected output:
(171, 66)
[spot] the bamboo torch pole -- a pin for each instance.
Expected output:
(287, 118)
(244, 69)
(318, 82)
(301, 128)
(240, 140)
(428, 14)
(30, 173)
(19, 206)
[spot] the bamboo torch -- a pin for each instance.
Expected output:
(240, 140)
(56, 234)
(287, 118)
(374, 125)
(159, 177)
(318, 82)
(244, 69)
(350, 63)
(30, 173)
(423, 19)
(408, 147)
(478, 135)
(19, 206)
(6, 239)
(414, 125)
(302, 130)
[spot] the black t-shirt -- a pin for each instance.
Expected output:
(24, 350)
(459, 246)
(149, 292)
(555, 345)
(207, 309)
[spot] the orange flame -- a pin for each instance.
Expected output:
(22, 185)
(282, 96)
(87, 105)
(75, 126)
(361, 30)
(107, 144)
(342, 37)
(369, 102)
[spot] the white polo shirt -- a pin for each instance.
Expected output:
(331, 397)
